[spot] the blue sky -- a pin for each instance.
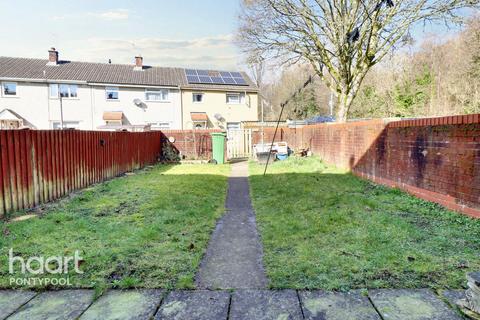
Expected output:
(186, 33)
(168, 33)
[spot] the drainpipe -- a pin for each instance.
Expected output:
(92, 107)
(181, 108)
(61, 112)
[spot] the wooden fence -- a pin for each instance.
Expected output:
(40, 166)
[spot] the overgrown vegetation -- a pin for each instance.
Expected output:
(146, 230)
(169, 153)
(324, 228)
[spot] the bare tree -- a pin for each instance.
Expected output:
(342, 39)
(257, 69)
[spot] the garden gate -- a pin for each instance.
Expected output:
(239, 143)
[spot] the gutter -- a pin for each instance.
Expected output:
(42, 80)
(97, 84)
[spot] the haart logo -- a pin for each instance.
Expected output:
(55, 265)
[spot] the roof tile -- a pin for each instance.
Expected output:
(105, 73)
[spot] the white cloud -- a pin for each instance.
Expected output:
(116, 14)
(58, 18)
(216, 52)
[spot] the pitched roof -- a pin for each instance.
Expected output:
(9, 115)
(105, 73)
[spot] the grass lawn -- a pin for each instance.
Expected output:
(146, 230)
(324, 228)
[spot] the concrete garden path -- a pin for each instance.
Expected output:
(234, 255)
(224, 305)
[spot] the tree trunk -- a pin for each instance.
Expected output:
(344, 102)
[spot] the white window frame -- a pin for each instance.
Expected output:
(66, 124)
(240, 95)
(69, 88)
(9, 95)
(164, 94)
(198, 94)
(238, 126)
(50, 87)
(115, 89)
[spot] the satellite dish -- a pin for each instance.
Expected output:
(139, 103)
(219, 117)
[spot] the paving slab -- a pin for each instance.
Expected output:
(11, 300)
(234, 258)
(421, 304)
(337, 306)
(452, 296)
(53, 305)
(195, 305)
(265, 305)
(125, 305)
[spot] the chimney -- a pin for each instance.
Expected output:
(52, 57)
(138, 63)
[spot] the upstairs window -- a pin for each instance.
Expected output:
(235, 98)
(9, 89)
(156, 94)
(65, 91)
(111, 93)
(197, 97)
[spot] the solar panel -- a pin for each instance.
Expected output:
(193, 79)
(229, 80)
(205, 79)
(225, 74)
(217, 80)
(240, 81)
(214, 77)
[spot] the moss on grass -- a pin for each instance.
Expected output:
(324, 228)
(147, 230)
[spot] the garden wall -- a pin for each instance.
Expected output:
(191, 144)
(40, 166)
(436, 159)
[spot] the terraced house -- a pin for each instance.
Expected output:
(49, 93)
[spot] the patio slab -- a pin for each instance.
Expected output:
(53, 305)
(11, 300)
(337, 306)
(265, 305)
(195, 305)
(125, 305)
(419, 304)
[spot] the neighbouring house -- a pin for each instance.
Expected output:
(217, 99)
(38, 94)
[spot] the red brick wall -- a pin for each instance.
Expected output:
(192, 144)
(437, 159)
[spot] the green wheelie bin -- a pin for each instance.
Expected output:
(218, 144)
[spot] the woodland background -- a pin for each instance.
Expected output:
(432, 78)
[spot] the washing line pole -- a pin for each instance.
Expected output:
(273, 140)
(310, 80)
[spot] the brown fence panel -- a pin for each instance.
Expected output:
(40, 166)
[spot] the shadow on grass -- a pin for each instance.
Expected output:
(149, 229)
(324, 228)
